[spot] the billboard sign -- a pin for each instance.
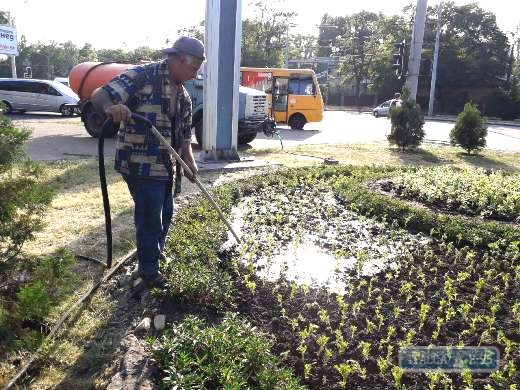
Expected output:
(8, 41)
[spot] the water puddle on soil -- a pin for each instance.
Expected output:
(307, 247)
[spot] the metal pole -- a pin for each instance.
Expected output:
(13, 66)
(414, 62)
(435, 60)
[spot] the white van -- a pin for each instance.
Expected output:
(63, 80)
(37, 95)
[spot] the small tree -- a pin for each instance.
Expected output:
(470, 129)
(22, 197)
(407, 125)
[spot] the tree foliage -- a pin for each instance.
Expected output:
(364, 42)
(264, 35)
(407, 125)
(22, 196)
(5, 17)
(470, 129)
(473, 55)
(303, 46)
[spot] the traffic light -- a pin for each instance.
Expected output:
(399, 58)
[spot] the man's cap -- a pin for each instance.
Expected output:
(187, 45)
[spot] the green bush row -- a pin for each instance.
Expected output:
(230, 355)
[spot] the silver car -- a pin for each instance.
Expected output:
(382, 110)
(37, 95)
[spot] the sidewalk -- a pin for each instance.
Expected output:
(490, 121)
(440, 117)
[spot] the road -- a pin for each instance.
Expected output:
(56, 137)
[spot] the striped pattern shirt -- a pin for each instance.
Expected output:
(146, 90)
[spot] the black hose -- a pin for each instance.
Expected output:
(108, 124)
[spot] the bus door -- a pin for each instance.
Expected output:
(280, 94)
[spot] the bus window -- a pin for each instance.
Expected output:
(302, 86)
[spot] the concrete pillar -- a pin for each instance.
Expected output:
(222, 78)
(414, 61)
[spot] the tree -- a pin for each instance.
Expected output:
(361, 44)
(381, 75)
(303, 46)
(263, 36)
(193, 31)
(117, 55)
(473, 53)
(407, 125)
(470, 129)
(5, 17)
(87, 53)
(365, 43)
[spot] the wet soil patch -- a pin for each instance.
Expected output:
(387, 288)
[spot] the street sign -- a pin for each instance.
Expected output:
(8, 41)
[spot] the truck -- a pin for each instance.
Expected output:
(86, 77)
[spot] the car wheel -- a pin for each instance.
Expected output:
(7, 108)
(67, 110)
(297, 121)
(376, 114)
(245, 139)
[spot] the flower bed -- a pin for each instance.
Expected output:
(493, 195)
(399, 276)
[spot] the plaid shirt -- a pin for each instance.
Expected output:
(146, 91)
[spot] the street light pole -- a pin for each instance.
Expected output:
(435, 61)
(414, 62)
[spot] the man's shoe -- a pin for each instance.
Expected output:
(157, 281)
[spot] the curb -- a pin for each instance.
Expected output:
(440, 118)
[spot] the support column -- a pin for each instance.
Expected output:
(414, 61)
(222, 78)
(13, 66)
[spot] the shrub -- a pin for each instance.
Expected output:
(231, 355)
(470, 129)
(22, 197)
(407, 125)
(34, 302)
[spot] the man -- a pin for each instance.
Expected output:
(396, 101)
(156, 92)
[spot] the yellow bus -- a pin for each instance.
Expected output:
(294, 94)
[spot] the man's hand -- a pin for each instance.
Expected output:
(187, 157)
(190, 162)
(118, 113)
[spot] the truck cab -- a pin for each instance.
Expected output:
(253, 104)
(253, 108)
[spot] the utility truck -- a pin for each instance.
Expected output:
(253, 116)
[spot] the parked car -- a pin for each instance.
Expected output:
(37, 95)
(384, 108)
(63, 80)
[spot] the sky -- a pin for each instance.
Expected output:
(127, 25)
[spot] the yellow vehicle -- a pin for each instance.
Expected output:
(294, 94)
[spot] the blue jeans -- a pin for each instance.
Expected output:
(153, 212)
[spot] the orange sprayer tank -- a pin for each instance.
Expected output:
(93, 75)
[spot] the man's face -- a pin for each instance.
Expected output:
(182, 70)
